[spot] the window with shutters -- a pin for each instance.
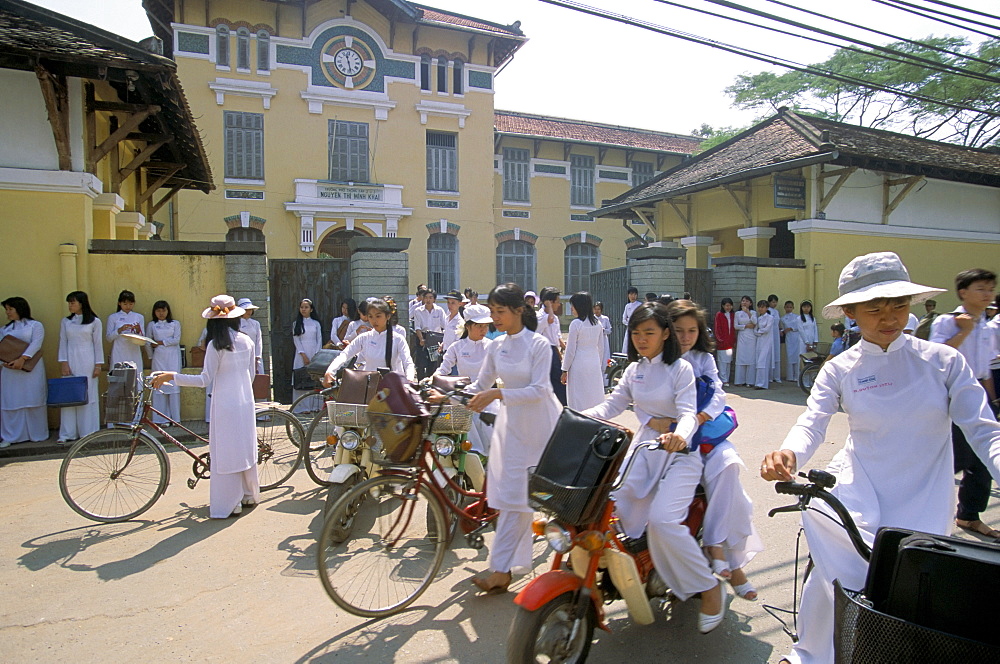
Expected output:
(581, 260)
(243, 49)
(516, 262)
(244, 145)
(425, 73)
(442, 67)
(348, 151)
(458, 80)
(581, 185)
(222, 46)
(516, 175)
(442, 162)
(642, 171)
(442, 262)
(263, 51)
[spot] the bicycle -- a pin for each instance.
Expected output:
(117, 474)
(810, 364)
(615, 370)
(398, 531)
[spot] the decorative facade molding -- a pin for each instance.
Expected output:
(442, 109)
(583, 237)
(444, 226)
(885, 230)
(235, 86)
(234, 25)
(245, 220)
(63, 182)
(317, 96)
(516, 234)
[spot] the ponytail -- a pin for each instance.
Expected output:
(511, 295)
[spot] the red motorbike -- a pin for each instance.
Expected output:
(594, 564)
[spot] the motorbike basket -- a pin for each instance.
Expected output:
(864, 635)
(350, 415)
(453, 418)
(574, 505)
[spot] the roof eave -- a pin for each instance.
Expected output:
(581, 142)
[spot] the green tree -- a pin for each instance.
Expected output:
(713, 136)
(844, 102)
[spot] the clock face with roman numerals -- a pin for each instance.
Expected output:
(348, 62)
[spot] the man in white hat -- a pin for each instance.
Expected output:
(901, 395)
(251, 328)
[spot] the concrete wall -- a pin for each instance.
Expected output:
(246, 276)
(657, 270)
(381, 273)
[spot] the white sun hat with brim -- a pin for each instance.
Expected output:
(222, 306)
(478, 313)
(246, 303)
(881, 275)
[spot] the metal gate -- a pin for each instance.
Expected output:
(325, 282)
(699, 282)
(609, 287)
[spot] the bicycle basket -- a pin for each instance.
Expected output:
(121, 401)
(864, 635)
(453, 418)
(574, 505)
(351, 415)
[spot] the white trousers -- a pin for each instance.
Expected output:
(226, 491)
(776, 358)
(729, 517)
(79, 421)
(169, 405)
(835, 558)
(792, 351)
(763, 373)
(745, 374)
(511, 550)
(674, 551)
(724, 358)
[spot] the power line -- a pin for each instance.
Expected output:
(964, 9)
(769, 59)
(941, 12)
(903, 6)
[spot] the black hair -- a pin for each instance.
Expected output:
(431, 292)
(87, 314)
(686, 296)
(632, 289)
(746, 297)
(20, 305)
(511, 295)
(598, 303)
(763, 303)
(771, 297)
(362, 309)
(125, 296)
(549, 294)
(839, 327)
(352, 308)
(680, 309)
(664, 299)
(658, 313)
(933, 303)
(584, 306)
(650, 297)
(219, 332)
(802, 314)
(471, 293)
(789, 302)
(725, 301)
(162, 304)
(966, 278)
(300, 327)
(380, 304)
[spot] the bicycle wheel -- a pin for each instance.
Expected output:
(277, 450)
(388, 559)
(104, 479)
(321, 451)
(808, 377)
(305, 416)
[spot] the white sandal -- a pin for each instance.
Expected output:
(721, 568)
(745, 589)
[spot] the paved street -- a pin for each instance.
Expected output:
(175, 586)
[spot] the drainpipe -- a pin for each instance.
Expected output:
(67, 267)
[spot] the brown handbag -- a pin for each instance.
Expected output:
(12, 348)
(396, 416)
(450, 383)
(262, 386)
(358, 387)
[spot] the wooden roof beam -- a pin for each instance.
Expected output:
(151, 189)
(140, 159)
(743, 205)
(56, 97)
(842, 175)
(890, 205)
(163, 201)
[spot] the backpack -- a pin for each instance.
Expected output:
(923, 330)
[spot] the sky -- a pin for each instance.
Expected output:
(589, 68)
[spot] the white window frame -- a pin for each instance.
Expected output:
(580, 260)
(512, 256)
(347, 141)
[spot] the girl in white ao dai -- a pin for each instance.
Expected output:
(125, 321)
(80, 354)
(467, 354)
(746, 343)
(307, 335)
(23, 393)
(660, 484)
(583, 373)
(371, 347)
(165, 355)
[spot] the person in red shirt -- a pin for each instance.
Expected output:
(725, 338)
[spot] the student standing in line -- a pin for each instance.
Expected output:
(338, 329)
(124, 320)
(900, 395)
(808, 329)
(630, 306)
(581, 364)
(80, 354)
(23, 393)
(606, 342)
(307, 335)
(232, 435)
(453, 318)
(746, 343)
(165, 355)
(791, 330)
(765, 347)
(251, 328)
(725, 338)
(549, 327)
(772, 308)
(965, 329)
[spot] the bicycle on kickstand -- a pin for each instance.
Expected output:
(117, 474)
(383, 542)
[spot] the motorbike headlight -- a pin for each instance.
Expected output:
(444, 445)
(558, 537)
(350, 440)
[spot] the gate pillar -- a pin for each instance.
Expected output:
(380, 267)
(657, 270)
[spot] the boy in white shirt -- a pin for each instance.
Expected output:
(428, 318)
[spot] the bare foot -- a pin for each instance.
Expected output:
(711, 600)
(977, 526)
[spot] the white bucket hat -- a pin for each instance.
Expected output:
(222, 306)
(245, 303)
(478, 313)
(876, 276)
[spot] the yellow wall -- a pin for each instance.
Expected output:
(785, 282)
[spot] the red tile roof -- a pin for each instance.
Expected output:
(432, 14)
(524, 124)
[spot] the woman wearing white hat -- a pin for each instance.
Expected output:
(232, 434)
(900, 394)
(467, 354)
(251, 328)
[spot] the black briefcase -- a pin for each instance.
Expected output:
(942, 583)
(574, 475)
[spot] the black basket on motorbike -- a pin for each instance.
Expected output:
(578, 467)
(863, 635)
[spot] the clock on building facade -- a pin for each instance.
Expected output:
(348, 62)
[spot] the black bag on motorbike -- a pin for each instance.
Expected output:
(301, 380)
(320, 362)
(579, 464)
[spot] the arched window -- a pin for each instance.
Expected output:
(243, 49)
(334, 245)
(263, 51)
(581, 260)
(442, 74)
(442, 262)
(516, 262)
(425, 73)
(458, 81)
(241, 234)
(222, 46)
